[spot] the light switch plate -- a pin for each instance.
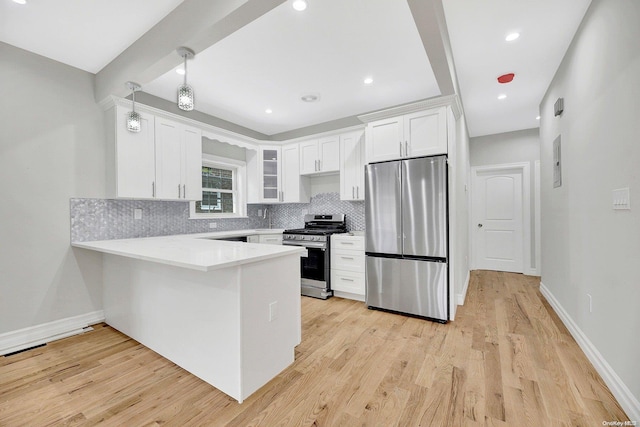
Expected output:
(621, 199)
(137, 213)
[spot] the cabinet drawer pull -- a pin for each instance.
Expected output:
(346, 257)
(346, 243)
(346, 279)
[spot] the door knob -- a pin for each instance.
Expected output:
(479, 225)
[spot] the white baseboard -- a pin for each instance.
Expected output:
(40, 334)
(627, 400)
(349, 295)
(463, 295)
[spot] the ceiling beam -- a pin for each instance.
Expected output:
(432, 27)
(197, 24)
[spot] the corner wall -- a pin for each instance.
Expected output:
(587, 247)
(51, 149)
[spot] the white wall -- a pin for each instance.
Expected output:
(461, 195)
(521, 146)
(508, 147)
(51, 149)
(587, 247)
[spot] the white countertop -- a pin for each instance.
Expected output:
(194, 251)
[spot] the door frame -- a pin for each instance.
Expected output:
(525, 169)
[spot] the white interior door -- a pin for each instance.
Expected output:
(498, 220)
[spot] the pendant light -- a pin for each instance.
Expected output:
(185, 92)
(134, 120)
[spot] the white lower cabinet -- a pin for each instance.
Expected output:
(347, 266)
(267, 239)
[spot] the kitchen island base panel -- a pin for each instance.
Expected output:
(235, 328)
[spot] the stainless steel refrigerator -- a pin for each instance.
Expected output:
(406, 237)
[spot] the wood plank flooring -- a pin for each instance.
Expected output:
(507, 360)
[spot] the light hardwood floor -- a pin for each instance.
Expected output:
(507, 360)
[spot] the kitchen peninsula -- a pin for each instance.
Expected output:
(228, 312)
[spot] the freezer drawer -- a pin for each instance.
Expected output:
(408, 286)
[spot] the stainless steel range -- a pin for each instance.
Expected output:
(315, 237)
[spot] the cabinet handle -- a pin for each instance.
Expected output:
(357, 191)
(153, 189)
(353, 192)
(184, 191)
(179, 196)
(346, 243)
(406, 149)
(400, 148)
(319, 165)
(346, 280)
(346, 257)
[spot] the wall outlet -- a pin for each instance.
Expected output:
(273, 311)
(213, 225)
(137, 213)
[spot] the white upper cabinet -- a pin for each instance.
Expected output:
(423, 133)
(162, 161)
(178, 161)
(352, 166)
(132, 168)
(295, 189)
(320, 155)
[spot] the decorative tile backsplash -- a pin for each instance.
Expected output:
(106, 219)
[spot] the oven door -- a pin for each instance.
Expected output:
(313, 268)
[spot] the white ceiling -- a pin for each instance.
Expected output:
(327, 49)
(477, 31)
(84, 34)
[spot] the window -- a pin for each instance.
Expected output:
(222, 189)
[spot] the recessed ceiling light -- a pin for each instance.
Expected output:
(310, 97)
(368, 80)
(268, 111)
(180, 71)
(538, 118)
(502, 96)
(512, 36)
(299, 5)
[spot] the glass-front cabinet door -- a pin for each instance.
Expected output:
(271, 186)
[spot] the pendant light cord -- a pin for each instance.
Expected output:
(185, 69)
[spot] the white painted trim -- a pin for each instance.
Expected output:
(47, 332)
(537, 221)
(524, 168)
(427, 104)
(627, 400)
(463, 295)
(349, 295)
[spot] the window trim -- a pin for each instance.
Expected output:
(240, 174)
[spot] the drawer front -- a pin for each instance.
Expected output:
(347, 242)
(346, 281)
(271, 239)
(347, 260)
